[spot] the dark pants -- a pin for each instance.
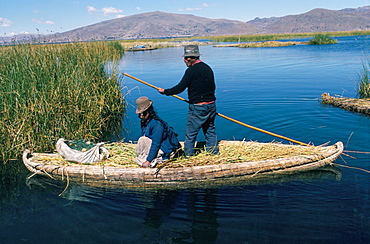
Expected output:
(201, 116)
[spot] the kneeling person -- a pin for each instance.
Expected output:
(158, 140)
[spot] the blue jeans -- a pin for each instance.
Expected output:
(201, 116)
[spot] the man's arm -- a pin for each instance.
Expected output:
(180, 87)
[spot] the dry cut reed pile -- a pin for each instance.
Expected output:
(236, 152)
(123, 154)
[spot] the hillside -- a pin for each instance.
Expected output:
(165, 25)
(321, 20)
(159, 25)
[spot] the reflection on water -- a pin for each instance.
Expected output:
(173, 213)
(276, 89)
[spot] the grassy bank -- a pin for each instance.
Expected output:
(268, 37)
(53, 91)
(206, 40)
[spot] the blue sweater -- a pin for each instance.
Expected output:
(155, 130)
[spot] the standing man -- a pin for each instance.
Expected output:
(200, 82)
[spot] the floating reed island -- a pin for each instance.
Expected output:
(359, 105)
(319, 39)
(236, 159)
(262, 44)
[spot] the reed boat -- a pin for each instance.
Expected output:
(236, 159)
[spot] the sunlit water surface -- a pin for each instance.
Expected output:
(276, 89)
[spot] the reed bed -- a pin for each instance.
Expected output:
(267, 37)
(123, 155)
(363, 89)
(129, 44)
(270, 44)
(58, 90)
(321, 39)
(176, 42)
(262, 44)
(200, 40)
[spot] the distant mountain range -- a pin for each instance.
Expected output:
(165, 25)
(158, 25)
(317, 20)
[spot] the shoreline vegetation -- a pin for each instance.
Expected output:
(363, 89)
(236, 39)
(262, 44)
(319, 39)
(58, 90)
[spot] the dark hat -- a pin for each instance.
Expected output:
(142, 103)
(191, 51)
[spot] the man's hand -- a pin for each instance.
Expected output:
(161, 90)
(146, 164)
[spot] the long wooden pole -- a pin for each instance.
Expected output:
(224, 116)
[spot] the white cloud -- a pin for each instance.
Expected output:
(40, 21)
(5, 22)
(208, 5)
(190, 9)
(91, 9)
(104, 11)
(138, 8)
(111, 10)
(198, 7)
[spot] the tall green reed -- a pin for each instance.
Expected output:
(363, 89)
(321, 39)
(59, 90)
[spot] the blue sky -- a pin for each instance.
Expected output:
(51, 16)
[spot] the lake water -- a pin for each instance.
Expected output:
(276, 89)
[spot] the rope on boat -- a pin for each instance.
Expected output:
(356, 152)
(66, 185)
(38, 171)
(350, 167)
(226, 117)
(29, 177)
